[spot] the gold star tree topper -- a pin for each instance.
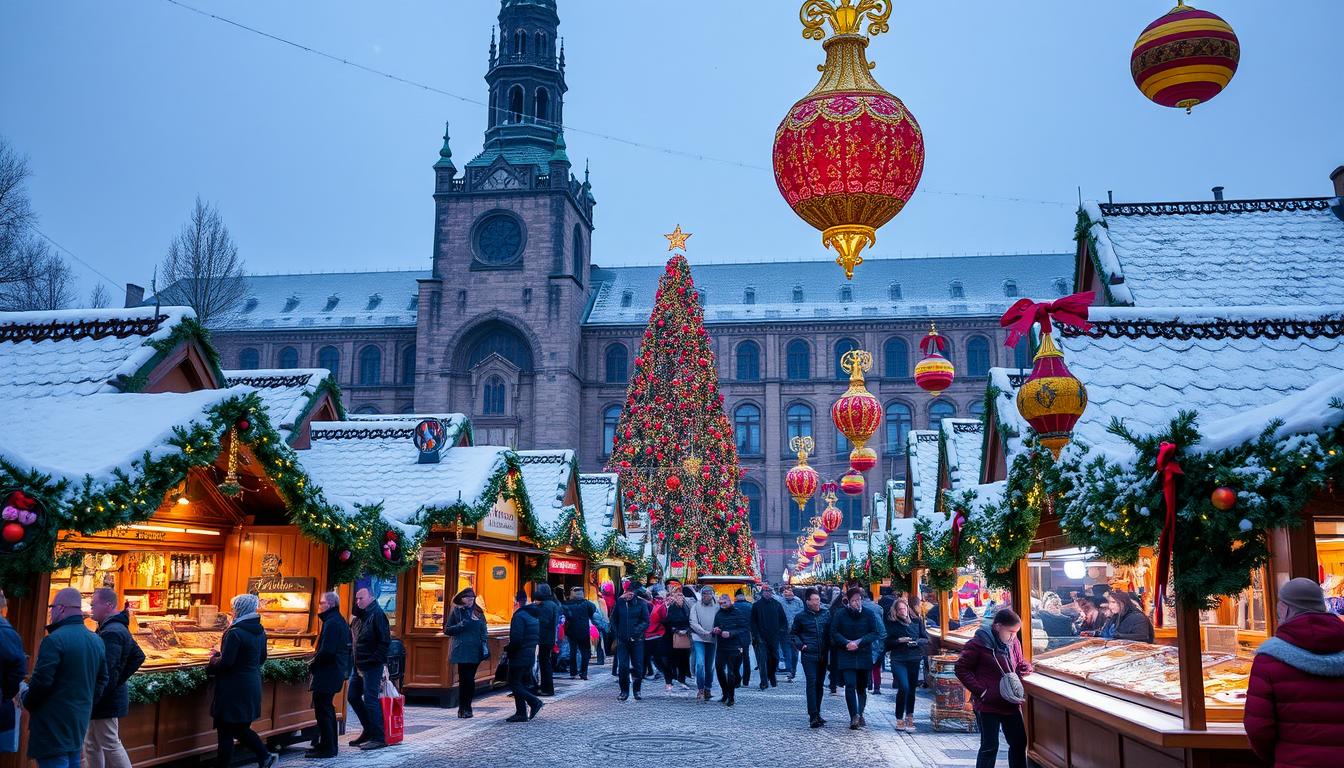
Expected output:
(677, 239)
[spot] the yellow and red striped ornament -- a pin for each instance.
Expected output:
(857, 414)
(1185, 58)
(934, 373)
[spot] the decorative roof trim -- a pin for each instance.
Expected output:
(967, 427)
(363, 433)
(84, 329)
(546, 458)
(924, 436)
(272, 382)
(1330, 327)
(1218, 206)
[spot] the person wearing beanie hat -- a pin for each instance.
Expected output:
(1295, 703)
(469, 646)
(628, 620)
(579, 613)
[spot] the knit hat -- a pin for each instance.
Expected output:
(1303, 595)
(463, 595)
(576, 592)
(706, 589)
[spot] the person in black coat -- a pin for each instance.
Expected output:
(677, 629)
(579, 613)
(906, 643)
(524, 634)
(768, 625)
(741, 604)
(629, 619)
(372, 639)
(236, 667)
(330, 666)
(102, 744)
(853, 631)
(732, 630)
(13, 666)
(810, 636)
(548, 617)
(471, 646)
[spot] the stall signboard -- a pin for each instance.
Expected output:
(565, 566)
(500, 522)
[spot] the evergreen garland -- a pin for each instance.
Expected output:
(149, 687)
(998, 534)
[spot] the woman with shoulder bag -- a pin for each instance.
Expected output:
(906, 643)
(466, 625)
(991, 667)
(236, 667)
(677, 621)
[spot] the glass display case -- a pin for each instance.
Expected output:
(494, 578)
(150, 583)
(430, 597)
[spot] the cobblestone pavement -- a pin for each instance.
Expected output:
(584, 725)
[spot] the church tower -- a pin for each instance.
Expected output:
(498, 334)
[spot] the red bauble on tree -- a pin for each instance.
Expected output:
(1223, 498)
(672, 482)
(12, 533)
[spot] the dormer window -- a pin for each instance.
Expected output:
(415, 303)
(250, 304)
(749, 296)
(1010, 288)
(1061, 286)
(291, 303)
(797, 294)
(957, 290)
(846, 293)
(894, 292)
(374, 301)
(332, 301)
(627, 298)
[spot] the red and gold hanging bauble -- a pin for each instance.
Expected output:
(857, 413)
(819, 538)
(1185, 58)
(801, 479)
(1052, 399)
(851, 483)
(849, 155)
(934, 373)
(862, 459)
(809, 550)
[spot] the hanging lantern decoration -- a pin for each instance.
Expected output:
(819, 538)
(1052, 399)
(857, 413)
(851, 483)
(810, 550)
(1185, 57)
(232, 486)
(831, 518)
(934, 373)
(801, 479)
(847, 194)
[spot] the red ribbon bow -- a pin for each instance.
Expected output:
(1070, 310)
(932, 340)
(1167, 469)
(958, 524)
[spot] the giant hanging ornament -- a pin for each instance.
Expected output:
(857, 413)
(1051, 399)
(934, 373)
(831, 517)
(851, 483)
(1185, 57)
(819, 538)
(810, 550)
(801, 479)
(848, 156)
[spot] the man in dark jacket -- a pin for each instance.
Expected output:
(102, 745)
(524, 634)
(579, 614)
(1294, 707)
(854, 630)
(810, 637)
(372, 638)
(330, 667)
(629, 619)
(68, 677)
(13, 667)
(732, 629)
(548, 617)
(768, 624)
(745, 607)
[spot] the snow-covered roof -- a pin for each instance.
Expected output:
(891, 288)
(547, 475)
(922, 474)
(597, 495)
(287, 394)
(1235, 366)
(327, 300)
(1012, 428)
(1232, 253)
(963, 443)
(80, 351)
(361, 463)
(120, 430)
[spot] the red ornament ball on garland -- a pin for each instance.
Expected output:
(12, 533)
(390, 536)
(1224, 498)
(243, 425)
(672, 482)
(344, 556)
(862, 459)
(702, 549)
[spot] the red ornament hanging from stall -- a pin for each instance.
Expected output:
(1223, 498)
(1185, 57)
(934, 373)
(819, 538)
(849, 155)
(1052, 399)
(857, 414)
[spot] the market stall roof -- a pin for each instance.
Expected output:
(1217, 252)
(962, 444)
(549, 476)
(363, 464)
(87, 351)
(291, 396)
(598, 493)
(922, 471)
(1143, 366)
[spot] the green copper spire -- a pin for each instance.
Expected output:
(445, 154)
(559, 156)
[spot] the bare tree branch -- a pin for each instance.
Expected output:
(16, 216)
(202, 269)
(99, 298)
(48, 281)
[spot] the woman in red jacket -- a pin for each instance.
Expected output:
(986, 659)
(1295, 705)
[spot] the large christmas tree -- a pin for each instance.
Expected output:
(674, 447)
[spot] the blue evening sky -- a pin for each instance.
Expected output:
(128, 110)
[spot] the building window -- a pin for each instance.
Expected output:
(1022, 353)
(249, 359)
(755, 511)
(749, 296)
(896, 358)
(627, 298)
(798, 420)
(408, 365)
(842, 444)
(957, 290)
(367, 410)
(894, 292)
(978, 409)
(516, 104)
(370, 366)
(498, 240)
(617, 364)
(852, 507)
(288, 358)
(798, 360)
(800, 518)
(611, 418)
(899, 421)
(520, 42)
(1010, 288)
(578, 253)
(797, 294)
(542, 105)
(330, 358)
(747, 429)
(977, 356)
(846, 293)
(748, 361)
(500, 339)
(941, 409)
(492, 397)
(1061, 286)
(841, 347)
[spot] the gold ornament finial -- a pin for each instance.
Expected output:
(846, 19)
(855, 362)
(802, 445)
(677, 239)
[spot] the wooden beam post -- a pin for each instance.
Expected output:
(1190, 655)
(1022, 602)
